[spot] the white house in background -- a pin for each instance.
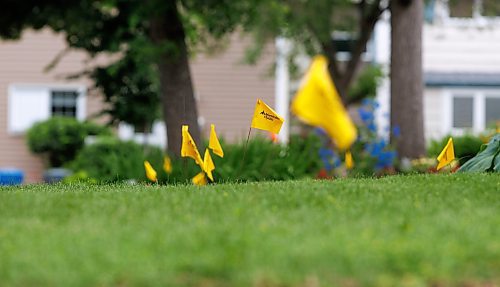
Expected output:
(461, 65)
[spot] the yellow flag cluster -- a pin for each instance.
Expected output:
(206, 164)
(189, 148)
(446, 156)
(199, 179)
(349, 161)
(214, 143)
(167, 165)
(150, 172)
(265, 118)
(317, 103)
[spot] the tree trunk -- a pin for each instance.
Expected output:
(406, 77)
(177, 95)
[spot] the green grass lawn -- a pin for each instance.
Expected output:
(396, 231)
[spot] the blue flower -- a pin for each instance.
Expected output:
(329, 158)
(366, 116)
(367, 102)
(320, 131)
(372, 127)
(396, 132)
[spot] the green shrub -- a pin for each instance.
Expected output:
(265, 160)
(466, 147)
(59, 139)
(109, 159)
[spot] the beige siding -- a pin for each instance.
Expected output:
(23, 62)
(227, 89)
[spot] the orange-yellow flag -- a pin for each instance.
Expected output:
(167, 164)
(317, 103)
(214, 143)
(150, 171)
(447, 155)
(349, 162)
(189, 148)
(208, 165)
(265, 118)
(199, 179)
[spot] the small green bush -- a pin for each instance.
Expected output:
(110, 159)
(466, 147)
(59, 139)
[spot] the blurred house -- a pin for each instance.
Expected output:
(226, 91)
(461, 65)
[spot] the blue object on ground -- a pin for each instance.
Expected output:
(54, 175)
(11, 176)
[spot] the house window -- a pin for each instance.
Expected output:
(492, 111)
(461, 8)
(473, 111)
(463, 112)
(63, 103)
(30, 103)
(474, 8)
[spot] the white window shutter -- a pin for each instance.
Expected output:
(27, 105)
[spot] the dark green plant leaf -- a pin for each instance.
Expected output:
(484, 160)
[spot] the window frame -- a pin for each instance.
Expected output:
(44, 90)
(479, 96)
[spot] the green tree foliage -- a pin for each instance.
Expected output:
(131, 91)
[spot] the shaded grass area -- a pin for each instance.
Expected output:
(400, 230)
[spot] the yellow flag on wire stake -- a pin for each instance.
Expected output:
(167, 164)
(199, 179)
(447, 155)
(189, 148)
(150, 171)
(265, 118)
(214, 143)
(349, 162)
(208, 165)
(317, 103)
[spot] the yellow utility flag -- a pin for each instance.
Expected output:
(317, 103)
(208, 165)
(265, 118)
(150, 171)
(446, 156)
(167, 164)
(214, 143)
(349, 162)
(189, 148)
(199, 179)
